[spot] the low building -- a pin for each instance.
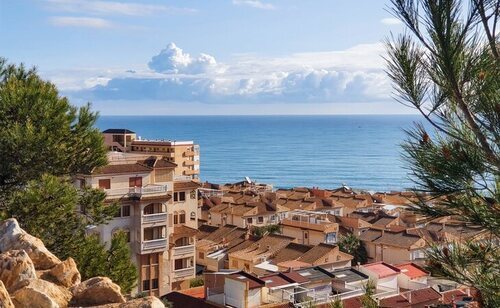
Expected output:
(412, 276)
(310, 228)
(385, 277)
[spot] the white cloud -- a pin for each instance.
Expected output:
(112, 7)
(173, 60)
(352, 75)
(255, 4)
(89, 22)
(391, 21)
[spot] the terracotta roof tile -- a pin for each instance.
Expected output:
(317, 252)
(412, 270)
(178, 186)
(123, 168)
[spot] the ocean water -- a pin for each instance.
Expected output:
(326, 151)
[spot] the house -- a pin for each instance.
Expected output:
(212, 246)
(258, 252)
(348, 282)
(412, 276)
(384, 275)
(242, 290)
(393, 246)
(420, 298)
(377, 219)
(310, 228)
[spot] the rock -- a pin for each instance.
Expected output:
(40, 293)
(15, 266)
(5, 301)
(97, 291)
(145, 302)
(66, 273)
(12, 237)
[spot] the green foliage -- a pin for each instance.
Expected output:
(367, 300)
(196, 282)
(352, 245)
(45, 141)
(269, 229)
(121, 268)
(336, 303)
(447, 66)
(41, 132)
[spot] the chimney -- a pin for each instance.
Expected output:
(247, 234)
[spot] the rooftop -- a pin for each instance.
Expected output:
(118, 131)
(412, 270)
(414, 298)
(253, 281)
(349, 275)
(381, 269)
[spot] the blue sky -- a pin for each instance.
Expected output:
(207, 57)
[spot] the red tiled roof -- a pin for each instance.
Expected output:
(198, 292)
(185, 185)
(123, 168)
(412, 270)
(412, 298)
(382, 269)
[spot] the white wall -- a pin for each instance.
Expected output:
(234, 292)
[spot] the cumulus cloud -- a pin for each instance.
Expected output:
(254, 4)
(88, 22)
(391, 21)
(351, 75)
(173, 60)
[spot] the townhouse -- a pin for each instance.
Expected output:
(310, 228)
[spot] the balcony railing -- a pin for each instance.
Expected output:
(182, 178)
(183, 250)
(160, 243)
(152, 218)
(191, 162)
(146, 190)
(191, 172)
(184, 272)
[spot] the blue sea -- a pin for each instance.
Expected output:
(362, 151)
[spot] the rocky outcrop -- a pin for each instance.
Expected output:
(37, 291)
(12, 237)
(15, 267)
(32, 277)
(5, 301)
(97, 291)
(66, 273)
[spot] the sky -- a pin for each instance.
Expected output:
(161, 57)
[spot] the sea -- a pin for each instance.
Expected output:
(360, 151)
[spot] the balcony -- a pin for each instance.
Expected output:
(137, 191)
(155, 218)
(183, 273)
(182, 178)
(191, 153)
(191, 162)
(183, 250)
(191, 172)
(157, 244)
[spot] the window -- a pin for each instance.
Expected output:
(135, 181)
(305, 235)
(125, 210)
(105, 184)
(153, 208)
(154, 258)
(182, 217)
(201, 255)
(179, 196)
(249, 220)
(260, 219)
(183, 241)
(178, 264)
(193, 216)
(154, 282)
(145, 285)
(153, 233)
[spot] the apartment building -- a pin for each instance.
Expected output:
(158, 212)
(185, 154)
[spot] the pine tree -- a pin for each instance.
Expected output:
(45, 141)
(367, 300)
(121, 269)
(351, 244)
(447, 67)
(336, 303)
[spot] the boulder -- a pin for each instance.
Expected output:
(12, 237)
(5, 301)
(145, 302)
(41, 293)
(15, 266)
(97, 291)
(66, 273)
